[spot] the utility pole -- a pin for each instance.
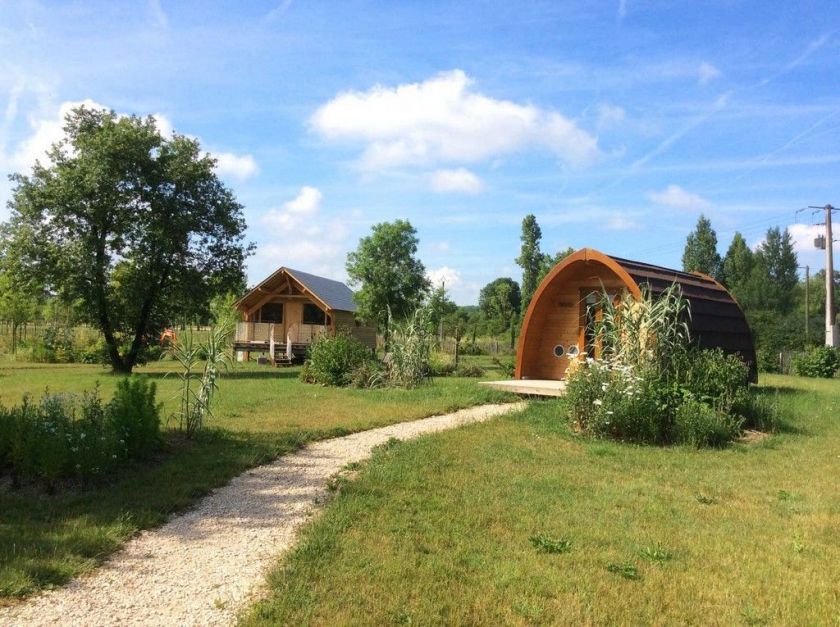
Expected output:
(832, 335)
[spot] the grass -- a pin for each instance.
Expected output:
(261, 413)
(520, 521)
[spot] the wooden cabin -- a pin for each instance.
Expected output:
(557, 328)
(284, 313)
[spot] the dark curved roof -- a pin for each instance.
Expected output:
(716, 318)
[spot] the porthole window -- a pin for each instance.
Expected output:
(559, 351)
(573, 351)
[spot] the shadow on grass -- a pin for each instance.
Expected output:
(269, 373)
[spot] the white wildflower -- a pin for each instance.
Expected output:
(598, 401)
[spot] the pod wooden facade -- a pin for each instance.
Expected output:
(554, 330)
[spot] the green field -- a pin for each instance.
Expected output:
(262, 412)
(520, 521)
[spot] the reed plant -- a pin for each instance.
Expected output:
(202, 364)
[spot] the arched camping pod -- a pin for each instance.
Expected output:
(554, 329)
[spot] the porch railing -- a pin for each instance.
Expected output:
(261, 332)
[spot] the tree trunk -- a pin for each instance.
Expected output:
(457, 351)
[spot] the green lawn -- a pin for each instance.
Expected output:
(458, 528)
(261, 413)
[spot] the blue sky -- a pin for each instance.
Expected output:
(615, 123)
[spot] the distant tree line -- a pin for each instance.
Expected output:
(767, 285)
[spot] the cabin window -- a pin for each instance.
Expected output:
(573, 351)
(313, 315)
(559, 351)
(271, 312)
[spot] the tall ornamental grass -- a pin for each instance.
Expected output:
(202, 364)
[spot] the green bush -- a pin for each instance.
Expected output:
(822, 361)
(767, 360)
(333, 359)
(507, 366)
(698, 424)
(92, 351)
(441, 367)
(66, 437)
(135, 418)
(615, 402)
(706, 402)
(469, 348)
(469, 370)
(369, 374)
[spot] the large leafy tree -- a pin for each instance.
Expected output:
(500, 301)
(779, 261)
(530, 259)
(439, 306)
(134, 226)
(392, 280)
(737, 265)
(700, 254)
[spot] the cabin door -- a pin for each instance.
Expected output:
(591, 313)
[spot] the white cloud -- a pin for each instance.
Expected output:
(237, 166)
(706, 73)
(295, 213)
(678, 198)
(803, 236)
(46, 131)
(458, 180)
(444, 276)
(443, 119)
(307, 201)
(301, 237)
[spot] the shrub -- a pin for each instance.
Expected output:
(715, 378)
(135, 418)
(65, 437)
(767, 360)
(507, 366)
(334, 358)
(469, 370)
(699, 424)
(471, 348)
(441, 367)
(822, 361)
(652, 388)
(93, 351)
(371, 373)
(608, 400)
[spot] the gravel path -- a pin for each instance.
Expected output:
(203, 567)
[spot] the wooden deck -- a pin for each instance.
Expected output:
(529, 387)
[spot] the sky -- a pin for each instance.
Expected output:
(615, 123)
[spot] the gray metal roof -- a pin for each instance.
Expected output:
(334, 293)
